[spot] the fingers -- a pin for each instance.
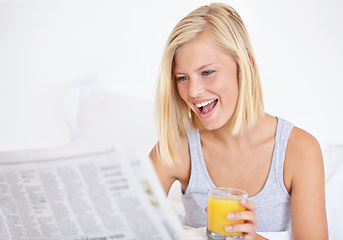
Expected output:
(249, 205)
(243, 215)
(245, 228)
(249, 216)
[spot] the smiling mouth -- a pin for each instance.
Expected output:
(206, 106)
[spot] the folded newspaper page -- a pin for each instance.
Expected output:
(83, 193)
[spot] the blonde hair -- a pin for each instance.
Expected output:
(173, 116)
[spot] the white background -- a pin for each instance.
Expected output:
(47, 46)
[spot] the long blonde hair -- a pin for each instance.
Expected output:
(173, 116)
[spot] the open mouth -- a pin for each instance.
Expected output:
(206, 106)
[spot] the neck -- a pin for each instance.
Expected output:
(248, 138)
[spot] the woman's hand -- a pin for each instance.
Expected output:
(249, 216)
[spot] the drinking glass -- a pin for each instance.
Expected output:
(220, 202)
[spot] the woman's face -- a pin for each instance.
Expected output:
(207, 81)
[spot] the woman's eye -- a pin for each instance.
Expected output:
(183, 78)
(206, 73)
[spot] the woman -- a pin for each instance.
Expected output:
(213, 131)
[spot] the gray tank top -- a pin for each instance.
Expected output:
(272, 202)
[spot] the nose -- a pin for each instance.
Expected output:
(196, 89)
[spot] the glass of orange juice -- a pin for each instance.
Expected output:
(220, 202)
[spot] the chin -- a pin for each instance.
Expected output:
(213, 125)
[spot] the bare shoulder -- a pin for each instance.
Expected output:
(302, 145)
(179, 171)
(303, 156)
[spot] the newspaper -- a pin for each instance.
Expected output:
(83, 193)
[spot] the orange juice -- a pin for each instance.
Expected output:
(217, 209)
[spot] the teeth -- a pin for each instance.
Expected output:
(203, 103)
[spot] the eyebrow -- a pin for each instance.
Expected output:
(200, 68)
(205, 66)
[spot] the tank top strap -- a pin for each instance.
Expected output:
(283, 132)
(199, 180)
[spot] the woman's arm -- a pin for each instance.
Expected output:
(164, 173)
(180, 171)
(305, 169)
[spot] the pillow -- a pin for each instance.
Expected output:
(97, 116)
(333, 162)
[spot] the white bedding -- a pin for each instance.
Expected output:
(99, 116)
(200, 234)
